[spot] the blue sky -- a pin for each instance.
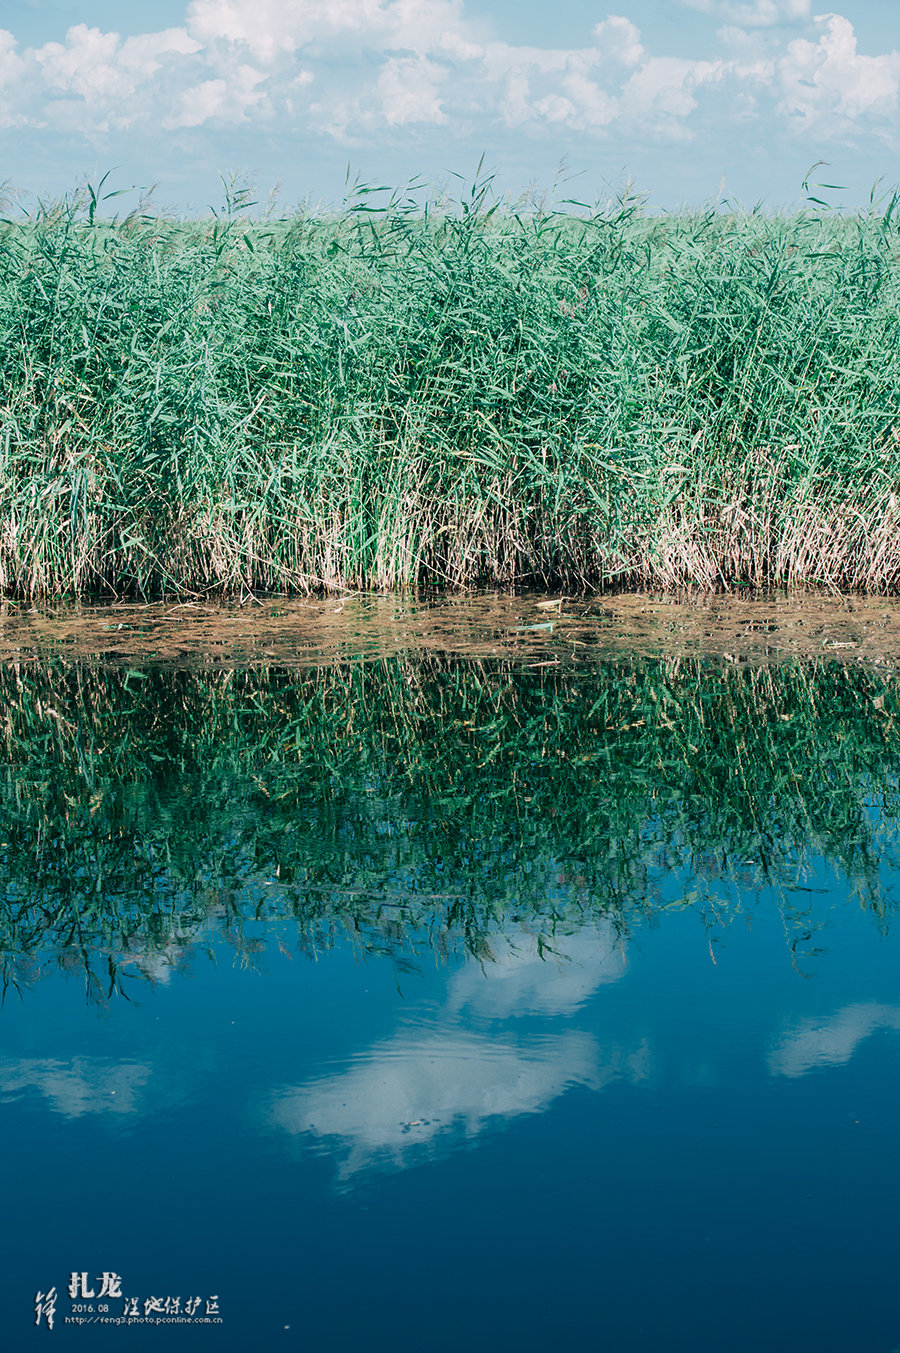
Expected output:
(673, 95)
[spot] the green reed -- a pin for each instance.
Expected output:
(449, 393)
(443, 798)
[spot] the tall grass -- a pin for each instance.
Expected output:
(454, 393)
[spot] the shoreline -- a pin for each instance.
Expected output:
(528, 628)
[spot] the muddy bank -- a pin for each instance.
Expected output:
(532, 628)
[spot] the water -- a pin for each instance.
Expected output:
(443, 1003)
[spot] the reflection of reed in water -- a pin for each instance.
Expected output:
(430, 802)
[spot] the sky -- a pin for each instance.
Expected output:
(685, 101)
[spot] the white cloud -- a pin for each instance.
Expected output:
(592, 105)
(554, 108)
(619, 38)
(101, 80)
(267, 29)
(200, 103)
(408, 88)
(231, 99)
(100, 65)
(273, 28)
(12, 75)
(756, 13)
(827, 86)
(661, 92)
(360, 70)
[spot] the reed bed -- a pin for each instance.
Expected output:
(448, 392)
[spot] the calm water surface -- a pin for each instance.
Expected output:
(439, 1004)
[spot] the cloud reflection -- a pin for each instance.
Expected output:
(817, 1043)
(411, 1097)
(526, 978)
(84, 1085)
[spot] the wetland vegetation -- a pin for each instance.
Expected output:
(446, 392)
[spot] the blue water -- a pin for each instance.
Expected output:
(681, 1139)
(440, 1005)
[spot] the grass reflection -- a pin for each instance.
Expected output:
(414, 802)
